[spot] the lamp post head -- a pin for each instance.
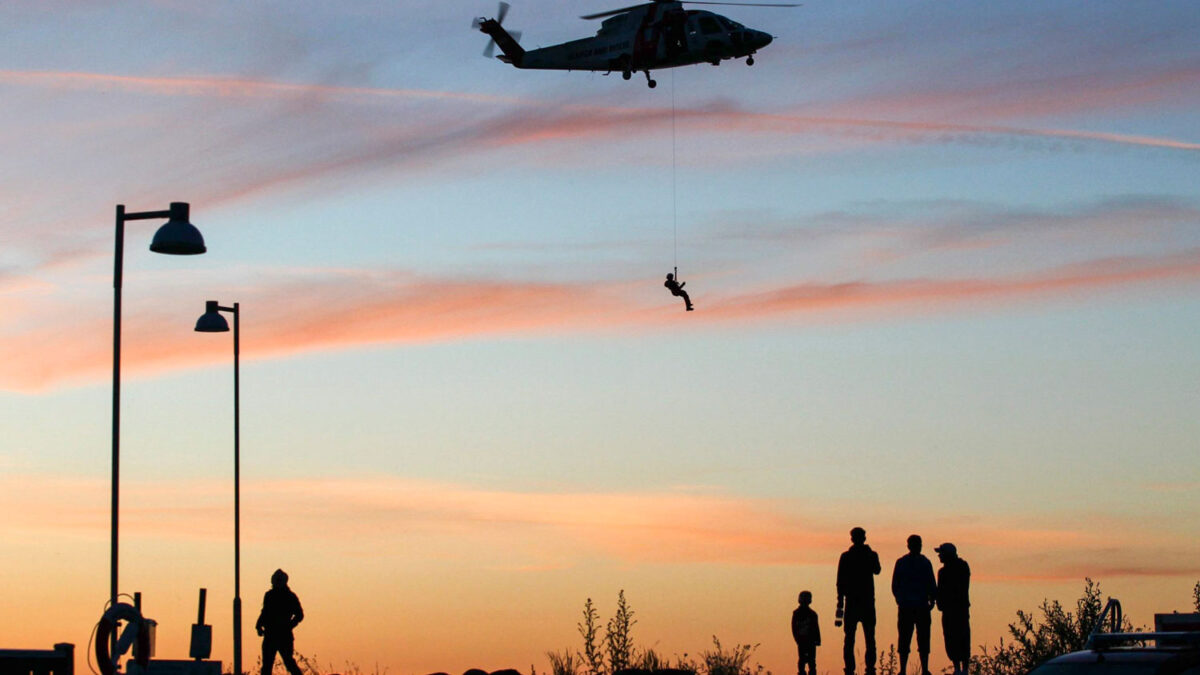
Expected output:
(212, 321)
(178, 236)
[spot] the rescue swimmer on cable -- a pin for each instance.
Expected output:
(676, 288)
(639, 38)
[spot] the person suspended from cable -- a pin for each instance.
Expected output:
(676, 288)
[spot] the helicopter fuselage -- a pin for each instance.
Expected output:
(651, 37)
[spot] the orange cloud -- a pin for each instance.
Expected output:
(648, 527)
(343, 309)
(226, 87)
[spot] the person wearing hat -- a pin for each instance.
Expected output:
(281, 612)
(953, 599)
(856, 572)
(915, 590)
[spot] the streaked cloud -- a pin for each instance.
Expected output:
(229, 87)
(648, 527)
(1042, 96)
(393, 307)
(929, 293)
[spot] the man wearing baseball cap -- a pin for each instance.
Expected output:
(953, 591)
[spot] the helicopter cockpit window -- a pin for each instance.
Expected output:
(709, 25)
(731, 25)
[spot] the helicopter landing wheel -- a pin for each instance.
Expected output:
(625, 74)
(650, 81)
(749, 60)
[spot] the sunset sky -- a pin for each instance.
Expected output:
(945, 258)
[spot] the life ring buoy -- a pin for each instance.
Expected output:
(135, 633)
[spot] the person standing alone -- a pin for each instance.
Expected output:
(856, 572)
(915, 591)
(281, 612)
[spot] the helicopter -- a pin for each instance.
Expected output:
(644, 37)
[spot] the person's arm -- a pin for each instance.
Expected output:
(896, 571)
(841, 579)
(930, 585)
(260, 625)
(966, 584)
(941, 584)
(875, 557)
(816, 630)
(796, 619)
(297, 613)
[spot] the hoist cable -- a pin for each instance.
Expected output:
(674, 203)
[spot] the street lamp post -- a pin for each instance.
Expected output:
(213, 322)
(176, 237)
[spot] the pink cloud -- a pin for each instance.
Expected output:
(226, 87)
(361, 309)
(1020, 100)
(927, 293)
(263, 136)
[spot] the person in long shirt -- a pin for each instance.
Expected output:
(953, 598)
(915, 590)
(281, 612)
(856, 572)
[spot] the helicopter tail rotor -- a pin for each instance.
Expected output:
(490, 26)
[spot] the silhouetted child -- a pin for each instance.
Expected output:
(676, 288)
(806, 631)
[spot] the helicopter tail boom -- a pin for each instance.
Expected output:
(513, 52)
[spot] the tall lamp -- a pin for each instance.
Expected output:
(213, 322)
(176, 237)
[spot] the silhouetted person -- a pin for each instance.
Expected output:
(676, 288)
(281, 613)
(856, 597)
(915, 591)
(806, 631)
(953, 598)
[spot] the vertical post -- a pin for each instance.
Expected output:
(237, 496)
(118, 265)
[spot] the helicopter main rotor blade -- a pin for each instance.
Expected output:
(745, 4)
(611, 12)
